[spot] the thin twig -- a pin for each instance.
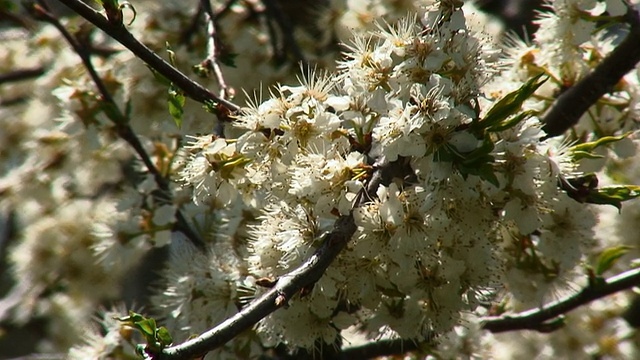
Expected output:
(275, 12)
(379, 348)
(189, 31)
(41, 12)
(575, 101)
(6, 15)
(213, 49)
(118, 32)
(538, 319)
(286, 286)
(13, 101)
(21, 74)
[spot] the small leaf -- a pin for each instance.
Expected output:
(148, 327)
(201, 70)
(481, 154)
(578, 155)
(513, 121)
(156, 337)
(229, 59)
(176, 105)
(131, 319)
(584, 150)
(609, 257)
(164, 337)
(510, 103)
(485, 171)
(172, 54)
(210, 106)
(614, 195)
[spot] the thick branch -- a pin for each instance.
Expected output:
(535, 319)
(285, 288)
(119, 32)
(576, 100)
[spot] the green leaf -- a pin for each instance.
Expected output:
(229, 59)
(176, 99)
(577, 155)
(156, 337)
(613, 195)
(201, 70)
(148, 327)
(164, 337)
(480, 154)
(510, 103)
(176, 105)
(485, 171)
(609, 257)
(584, 150)
(210, 106)
(478, 162)
(172, 54)
(512, 121)
(131, 319)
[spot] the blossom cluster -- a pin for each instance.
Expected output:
(476, 205)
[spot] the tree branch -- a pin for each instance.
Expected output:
(380, 348)
(21, 74)
(211, 63)
(214, 49)
(275, 12)
(575, 101)
(286, 286)
(119, 119)
(117, 31)
(538, 319)
(8, 16)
